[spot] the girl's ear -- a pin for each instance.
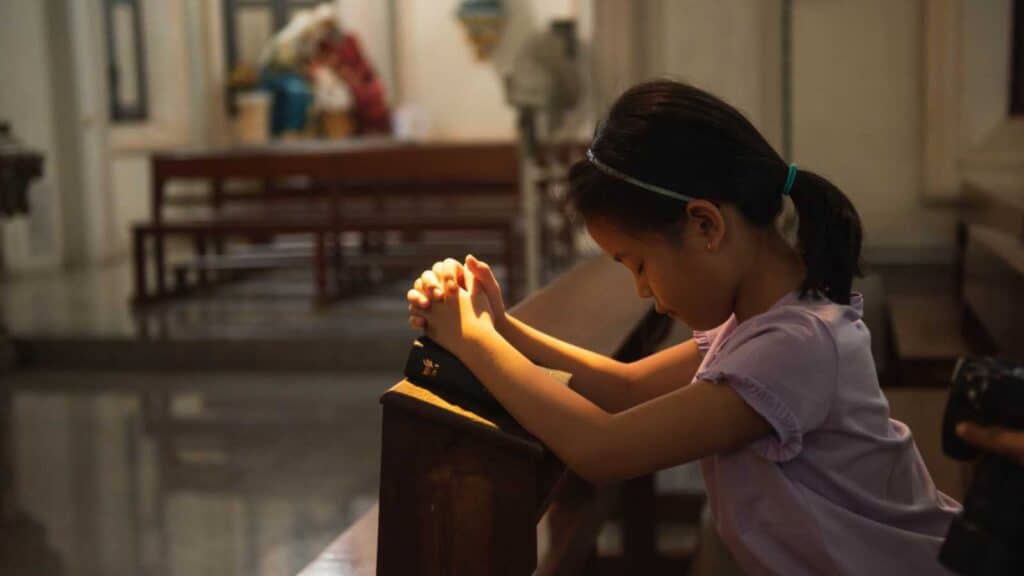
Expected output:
(710, 224)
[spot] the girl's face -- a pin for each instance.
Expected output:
(691, 275)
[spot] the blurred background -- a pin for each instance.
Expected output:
(210, 211)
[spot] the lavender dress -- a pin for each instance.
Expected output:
(839, 488)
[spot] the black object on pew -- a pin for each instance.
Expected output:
(433, 367)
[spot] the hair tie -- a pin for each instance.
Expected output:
(790, 178)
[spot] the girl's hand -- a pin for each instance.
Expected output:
(483, 276)
(430, 287)
(460, 318)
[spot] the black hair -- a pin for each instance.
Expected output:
(682, 138)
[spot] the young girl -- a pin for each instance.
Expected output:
(776, 394)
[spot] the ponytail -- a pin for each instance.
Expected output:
(829, 236)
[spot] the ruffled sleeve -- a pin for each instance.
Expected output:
(785, 368)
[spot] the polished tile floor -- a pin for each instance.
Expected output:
(233, 433)
(184, 473)
(94, 302)
(83, 319)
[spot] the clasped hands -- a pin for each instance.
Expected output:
(456, 304)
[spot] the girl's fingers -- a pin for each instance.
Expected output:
(417, 316)
(445, 275)
(418, 286)
(415, 310)
(416, 298)
(438, 270)
(422, 288)
(453, 272)
(482, 272)
(431, 285)
(480, 269)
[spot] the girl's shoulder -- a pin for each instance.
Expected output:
(785, 364)
(801, 325)
(806, 316)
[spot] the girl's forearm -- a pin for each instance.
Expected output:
(603, 380)
(567, 422)
(688, 423)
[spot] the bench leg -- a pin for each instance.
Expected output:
(139, 256)
(337, 261)
(320, 268)
(180, 280)
(160, 262)
(201, 252)
(219, 250)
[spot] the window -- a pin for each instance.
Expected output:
(126, 61)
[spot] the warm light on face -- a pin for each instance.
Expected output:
(677, 273)
(639, 255)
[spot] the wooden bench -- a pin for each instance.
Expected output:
(323, 180)
(325, 230)
(990, 262)
(465, 490)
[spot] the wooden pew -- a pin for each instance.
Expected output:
(324, 230)
(322, 180)
(990, 262)
(465, 490)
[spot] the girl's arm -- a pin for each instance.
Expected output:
(613, 385)
(683, 425)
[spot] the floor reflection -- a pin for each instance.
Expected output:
(95, 302)
(168, 474)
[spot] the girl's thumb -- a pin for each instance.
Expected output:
(481, 271)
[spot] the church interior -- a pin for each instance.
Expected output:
(211, 212)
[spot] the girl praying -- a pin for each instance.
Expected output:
(776, 394)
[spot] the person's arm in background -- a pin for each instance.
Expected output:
(1002, 441)
(613, 385)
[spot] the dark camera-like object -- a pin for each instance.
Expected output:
(988, 537)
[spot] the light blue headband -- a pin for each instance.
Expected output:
(786, 188)
(639, 183)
